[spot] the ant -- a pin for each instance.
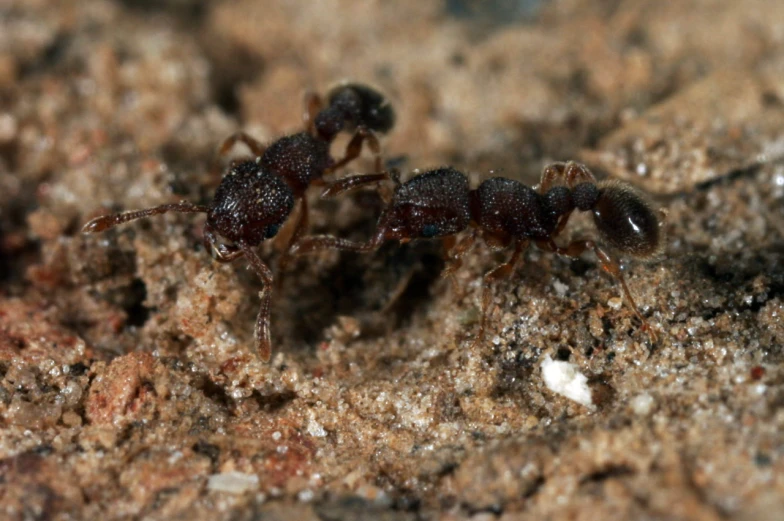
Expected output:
(439, 203)
(256, 196)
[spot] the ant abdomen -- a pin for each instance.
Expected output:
(625, 220)
(432, 204)
(250, 204)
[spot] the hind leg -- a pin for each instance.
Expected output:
(608, 263)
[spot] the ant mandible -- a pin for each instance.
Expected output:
(439, 204)
(256, 196)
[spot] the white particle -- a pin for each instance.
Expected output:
(306, 495)
(563, 378)
(560, 288)
(315, 429)
(642, 404)
(642, 169)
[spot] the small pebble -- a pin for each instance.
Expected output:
(233, 482)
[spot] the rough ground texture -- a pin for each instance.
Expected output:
(127, 384)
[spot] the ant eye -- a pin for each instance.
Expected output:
(626, 221)
(272, 231)
(429, 230)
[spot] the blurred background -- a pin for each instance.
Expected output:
(124, 385)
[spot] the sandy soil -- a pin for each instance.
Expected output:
(127, 385)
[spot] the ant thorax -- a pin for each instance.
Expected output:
(506, 207)
(299, 159)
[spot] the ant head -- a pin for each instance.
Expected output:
(250, 204)
(352, 105)
(623, 217)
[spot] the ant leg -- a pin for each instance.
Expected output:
(577, 173)
(354, 148)
(570, 173)
(313, 105)
(255, 146)
(299, 227)
(550, 174)
(350, 183)
(319, 243)
(327, 242)
(105, 222)
(562, 223)
(375, 149)
(609, 265)
(448, 244)
(498, 273)
(262, 330)
(453, 255)
(400, 288)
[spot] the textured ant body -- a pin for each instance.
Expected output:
(256, 196)
(439, 204)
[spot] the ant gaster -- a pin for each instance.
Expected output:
(256, 196)
(439, 204)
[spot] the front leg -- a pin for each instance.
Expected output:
(354, 148)
(255, 146)
(262, 330)
(313, 105)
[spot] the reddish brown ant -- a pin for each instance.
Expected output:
(256, 196)
(439, 204)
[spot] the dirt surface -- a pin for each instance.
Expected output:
(128, 388)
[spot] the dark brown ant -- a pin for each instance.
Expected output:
(439, 204)
(256, 196)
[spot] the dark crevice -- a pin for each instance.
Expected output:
(51, 57)
(214, 392)
(134, 308)
(208, 450)
(535, 487)
(275, 401)
(609, 472)
(495, 510)
(228, 75)
(191, 11)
